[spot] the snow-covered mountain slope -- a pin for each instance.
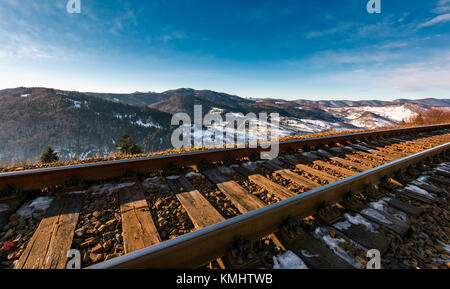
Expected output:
(372, 120)
(304, 126)
(260, 128)
(394, 113)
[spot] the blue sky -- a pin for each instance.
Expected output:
(253, 48)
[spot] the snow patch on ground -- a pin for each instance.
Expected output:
(447, 164)
(419, 191)
(419, 184)
(440, 260)
(371, 123)
(216, 110)
(336, 149)
(444, 165)
(442, 169)
(422, 179)
(77, 193)
(76, 103)
(342, 226)
(361, 147)
(226, 170)
(315, 122)
(446, 247)
(173, 177)
(194, 174)
(354, 220)
(154, 183)
(120, 116)
(376, 215)
(110, 188)
(139, 122)
(381, 205)
(333, 243)
(423, 235)
(325, 153)
(252, 166)
(41, 203)
(307, 254)
(4, 208)
(288, 261)
(360, 220)
(310, 155)
(147, 124)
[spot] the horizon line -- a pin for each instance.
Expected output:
(229, 93)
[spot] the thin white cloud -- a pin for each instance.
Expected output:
(330, 58)
(395, 44)
(401, 19)
(340, 27)
(126, 19)
(31, 8)
(175, 35)
(443, 6)
(21, 46)
(436, 20)
(116, 27)
(420, 77)
(265, 13)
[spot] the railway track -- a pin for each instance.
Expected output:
(322, 203)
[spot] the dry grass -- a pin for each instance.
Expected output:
(432, 116)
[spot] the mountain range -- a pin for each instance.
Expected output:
(80, 125)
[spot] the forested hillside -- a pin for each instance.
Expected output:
(75, 124)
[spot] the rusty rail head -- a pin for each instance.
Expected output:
(196, 249)
(47, 177)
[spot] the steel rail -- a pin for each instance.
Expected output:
(197, 248)
(46, 177)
